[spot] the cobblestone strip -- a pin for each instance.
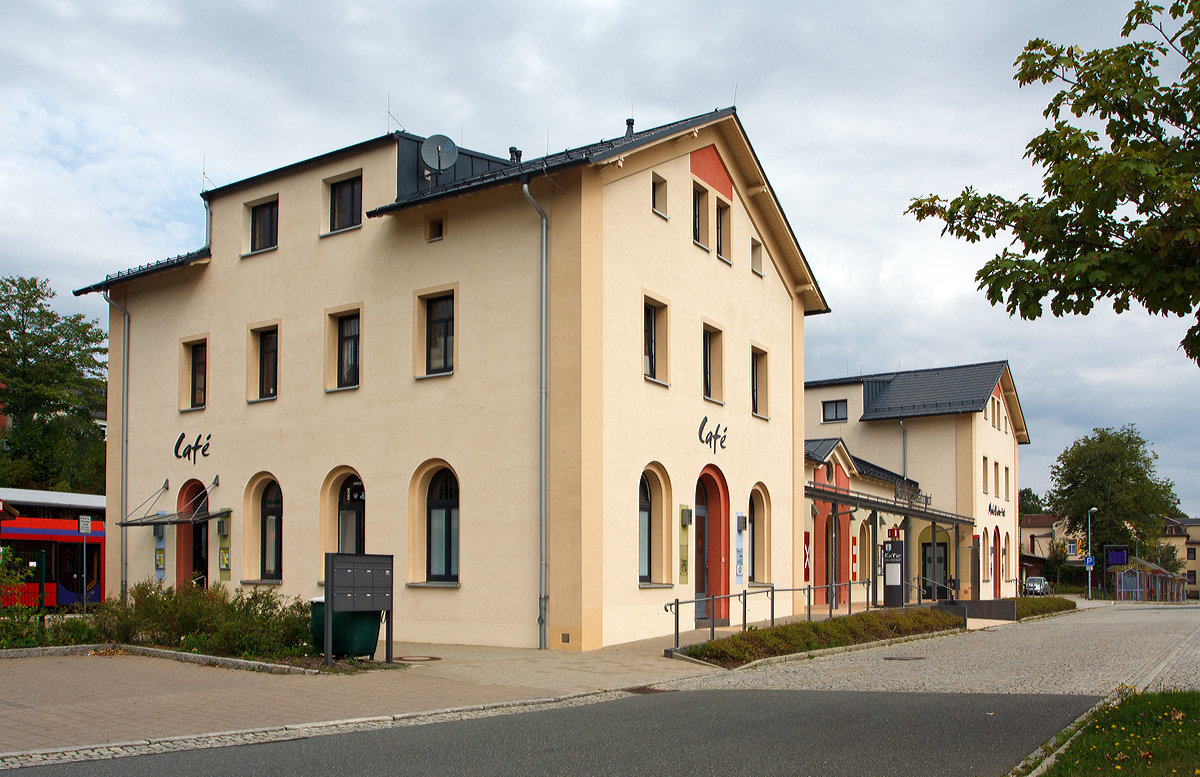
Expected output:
(300, 731)
(172, 655)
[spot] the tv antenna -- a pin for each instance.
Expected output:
(392, 118)
(204, 176)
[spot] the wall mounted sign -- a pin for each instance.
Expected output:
(192, 451)
(714, 437)
(160, 558)
(223, 557)
(738, 568)
(997, 510)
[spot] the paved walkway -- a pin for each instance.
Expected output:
(71, 701)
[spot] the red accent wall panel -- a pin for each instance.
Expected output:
(708, 167)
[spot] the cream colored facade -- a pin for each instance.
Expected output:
(964, 456)
(477, 239)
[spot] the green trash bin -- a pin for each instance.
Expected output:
(354, 633)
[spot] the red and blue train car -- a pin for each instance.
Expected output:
(37, 522)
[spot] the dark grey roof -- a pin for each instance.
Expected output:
(819, 450)
(940, 391)
(153, 268)
(571, 157)
(870, 470)
(320, 159)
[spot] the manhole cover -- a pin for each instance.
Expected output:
(416, 659)
(904, 658)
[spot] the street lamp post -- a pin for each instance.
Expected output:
(1091, 512)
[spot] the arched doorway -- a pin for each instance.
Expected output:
(191, 539)
(352, 510)
(711, 521)
(996, 563)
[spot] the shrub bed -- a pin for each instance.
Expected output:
(1029, 606)
(259, 624)
(1146, 733)
(803, 636)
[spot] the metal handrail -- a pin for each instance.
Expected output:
(771, 590)
(920, 590)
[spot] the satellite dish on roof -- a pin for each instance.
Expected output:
(439, 153)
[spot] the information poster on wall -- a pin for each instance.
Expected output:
(684, 542)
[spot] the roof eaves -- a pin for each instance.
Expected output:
(592, 154)
(816, 287)
(320, 159)
(154, 268)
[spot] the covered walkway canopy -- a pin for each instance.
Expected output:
(901, 507)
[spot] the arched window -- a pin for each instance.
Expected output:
(351, 516)
(644, 530)
(272, 532)
(441, 529)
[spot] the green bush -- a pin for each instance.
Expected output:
(258, 624)
(1028, 606)
(803, 636)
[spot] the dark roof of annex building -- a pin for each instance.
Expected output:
(1038, 520)
(821, 448)
(937, 391)
(477, 171)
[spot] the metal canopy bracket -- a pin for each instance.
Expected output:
(176, 518)
(825, 493)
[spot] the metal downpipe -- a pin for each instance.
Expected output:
(124, 444)
(542, 596)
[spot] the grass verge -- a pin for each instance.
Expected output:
(1029, 606)
(801, 637)
(1155, 733)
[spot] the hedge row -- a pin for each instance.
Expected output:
(803, 636)
(1028, 606)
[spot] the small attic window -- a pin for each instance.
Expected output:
(435, 228)
(834, 411)
(658, 194)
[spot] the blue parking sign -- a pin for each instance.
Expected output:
(1089, 562)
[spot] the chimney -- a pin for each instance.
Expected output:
(514, 155)
(629, 128)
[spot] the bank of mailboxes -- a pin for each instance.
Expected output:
(361, 584)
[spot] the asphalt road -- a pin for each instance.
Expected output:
(728, 732)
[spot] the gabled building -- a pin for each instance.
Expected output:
(560, 392)
(956, 431)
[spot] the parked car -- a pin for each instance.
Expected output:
(1036, 586)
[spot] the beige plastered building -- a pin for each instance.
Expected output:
(948, 440)
(353, 363)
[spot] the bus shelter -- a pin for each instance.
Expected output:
(1145, 581)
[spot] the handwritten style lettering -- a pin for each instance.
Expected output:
(714, 438)
(194, 450)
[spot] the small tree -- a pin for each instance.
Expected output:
(1113, 471)
(1166, 555)
(1028, 502)
(1056, 558)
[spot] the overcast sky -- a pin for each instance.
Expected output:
(109, 111)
